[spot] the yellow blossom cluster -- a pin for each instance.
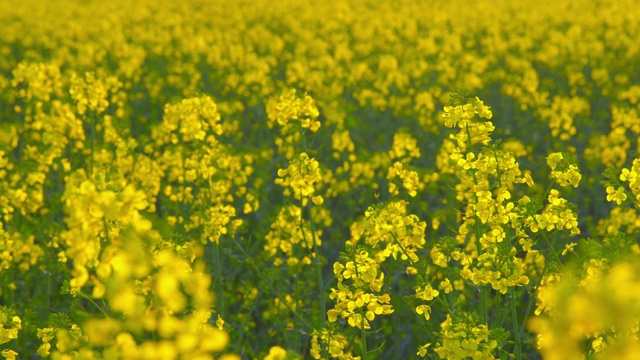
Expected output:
(292, 114)
(289, 231)
(195, 179)
(410, 179)
(622, 187)
(193, 119)
(120, 261)
(291, 108)
(199, 169)
(630, 176)
(463, 338)
(586, 312)
(9, 331)
(333, 343)
(91, 93)
(354, 297)
(389, 227)
(563, 171)
(300, 179)
(556, 215)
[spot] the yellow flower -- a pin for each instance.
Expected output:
(422, 350)
(629, 176)
(424, 310)
(554, 159)
(568, 248)
(616, 195)
(300, 179)
(427, 293)
(9, 354)
(276, 353)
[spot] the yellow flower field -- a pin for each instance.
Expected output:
(316, 180)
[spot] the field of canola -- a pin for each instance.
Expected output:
(312, 180)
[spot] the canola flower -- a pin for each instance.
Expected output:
(255, 179)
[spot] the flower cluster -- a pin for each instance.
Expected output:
(200, 170)
(390, 229)
(410, 180)
(288, 232)
(92, 94)
(556, 215)
(119, 260)
(332, 344)
(292, 108)
(191, 120)
(11, 324)
(177, 179)
(293, 114)
(464, 338)
(630, 176)
(461, 116)
(300, 179)
(358, 280)
(563, 169)
(586, 312)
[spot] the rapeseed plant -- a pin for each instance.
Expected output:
(254, 180)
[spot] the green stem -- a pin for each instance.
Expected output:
(544, 195)
(546, 239)
(49, 289)
(93, 141)
(404, 251)
(498, 175)
(85, 296)
(273, 291)
(133, 167)
(446, 306)
(184, 178)
(364, 337)
(302, 137)
(323, 305)
(243, 326)
(514, 318)
(532, 299)
(105, 224)
(483, 304)
(218, 275)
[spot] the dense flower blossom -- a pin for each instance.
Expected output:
(198, 180)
